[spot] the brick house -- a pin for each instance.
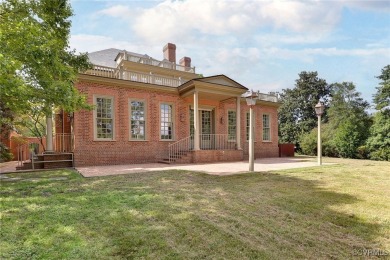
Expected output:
(149, 110)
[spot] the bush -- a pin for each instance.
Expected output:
(5, 154)
(308, 142)
(382, 154)
(363, 152)
(378, 143)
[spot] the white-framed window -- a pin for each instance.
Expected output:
(104, 118)
(166, 121)
(232, 125)
(266, 128)
(137, 119)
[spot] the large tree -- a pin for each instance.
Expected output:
(297, 115)
(348, 123)
(379, 141)
(36, 64)
(382, 96)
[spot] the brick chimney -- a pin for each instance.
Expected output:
(185, 62)
(170, 52)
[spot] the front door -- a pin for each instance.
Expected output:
(205, 127)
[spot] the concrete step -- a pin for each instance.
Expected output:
(165, 161)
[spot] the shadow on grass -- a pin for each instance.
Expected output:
(178, 214)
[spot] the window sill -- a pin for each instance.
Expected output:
(104, 140)
(136, 140)
(167, 140)
(265, 141)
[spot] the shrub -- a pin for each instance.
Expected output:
(308, 142)
(5, 154)
(363, 152)
(383, 154)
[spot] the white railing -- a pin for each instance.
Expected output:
(103, 71)
(267, 97)
(108, 72)
(152, 79)
(150, 61)
(216, 142)
(206, 142)
(63, 143)
(179, 148)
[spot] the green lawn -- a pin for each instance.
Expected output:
(315, 213)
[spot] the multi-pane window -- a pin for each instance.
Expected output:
(232, 125)
(137, 120)
(104, 118)
(266, 128)
(248, 122)
(166, 125)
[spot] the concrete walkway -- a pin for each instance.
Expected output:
(223, 168)
(7, 167)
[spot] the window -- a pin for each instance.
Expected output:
(137, 120)
(166, 123)
(232, 125)
(266, 128)
(104, 118)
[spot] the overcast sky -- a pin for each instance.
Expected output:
(261, 44)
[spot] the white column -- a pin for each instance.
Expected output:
(319, 145)
(196, 122)
(251, 141)
(49, 133)
(238, 123)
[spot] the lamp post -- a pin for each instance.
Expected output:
(319, 111)
(251, 101)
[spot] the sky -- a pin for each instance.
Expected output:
(263, 45)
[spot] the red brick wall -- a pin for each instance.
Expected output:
(202, 156)
(122, 151)
(263, 149)
(62, 123)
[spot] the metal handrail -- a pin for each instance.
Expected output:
(179, 148)
(217, 142)
(207, 142)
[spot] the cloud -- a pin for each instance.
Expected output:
(185, 20)
(116, 11)
(373, 5)
(91, 43)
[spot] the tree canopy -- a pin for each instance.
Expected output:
(297, 114)
(382, 96)
(379, 141)
(36, 65)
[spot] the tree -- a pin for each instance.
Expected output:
(296, 114)
(37, 66)
(348, 119)
(382, 96)
(347, 126)
(32, 124)
(378, 143)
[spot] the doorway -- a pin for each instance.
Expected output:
(206, 128)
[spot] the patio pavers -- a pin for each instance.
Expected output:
(222, 168)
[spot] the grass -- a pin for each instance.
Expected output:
(314, 213)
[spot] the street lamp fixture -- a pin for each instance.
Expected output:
(251, 101)
(319, 108)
